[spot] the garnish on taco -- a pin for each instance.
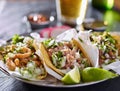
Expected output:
(20, 58)
(61, 56)
(108, 47)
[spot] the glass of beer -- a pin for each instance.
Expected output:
(71, 12)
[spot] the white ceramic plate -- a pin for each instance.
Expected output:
(49, 81)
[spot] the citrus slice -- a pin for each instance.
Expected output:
(95, 74)
(72, 77)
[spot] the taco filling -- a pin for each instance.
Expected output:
(64, 55)
(19, 56)
(108, 52)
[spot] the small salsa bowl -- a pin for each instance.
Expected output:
(39, 20)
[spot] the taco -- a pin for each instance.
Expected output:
(82, 39)
(20, 58)
(116, 36)
(61, 55)
(108, 45)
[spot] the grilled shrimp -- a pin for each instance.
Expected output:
(10, 64)
(26, 53)
(17, 62)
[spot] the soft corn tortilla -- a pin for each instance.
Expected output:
(90, 51)
(117, 38)
(45, 57)
(83, 51)
(115, 66)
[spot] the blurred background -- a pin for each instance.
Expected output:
(13, 15)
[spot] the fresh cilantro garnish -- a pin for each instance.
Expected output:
(16, 38)
(80, 39)
(50, 43)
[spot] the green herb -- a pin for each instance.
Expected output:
(110, 61)
(50, 43)
(80, 39)
(86, 64)
(16, 38)
(1, 49)
(57, 56)
(5, 58)
(81, 54)
(57, 59)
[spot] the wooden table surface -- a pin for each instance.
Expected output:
(11, 23)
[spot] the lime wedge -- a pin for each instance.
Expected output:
(95, 74)
(72, 77)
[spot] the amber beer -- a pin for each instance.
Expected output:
(73, 11)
